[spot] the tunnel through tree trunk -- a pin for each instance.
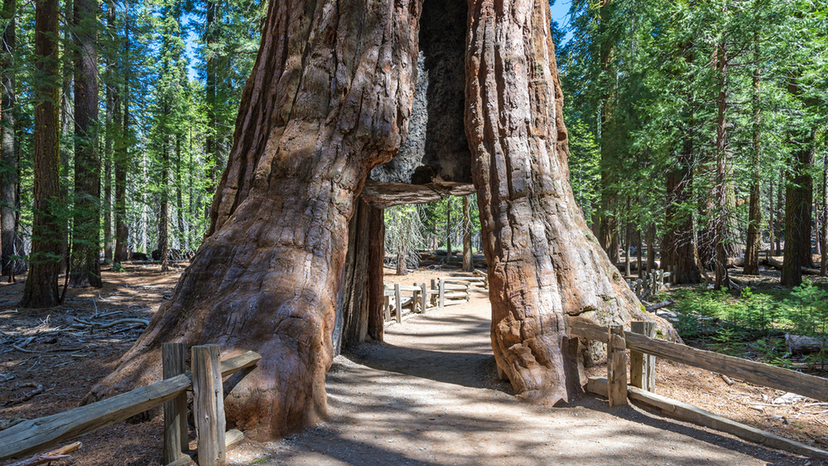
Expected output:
(327, 102)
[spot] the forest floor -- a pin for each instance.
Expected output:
(428, 395)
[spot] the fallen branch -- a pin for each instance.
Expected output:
(87, 324)
(657, 306)
(26, 396)
(54, 455)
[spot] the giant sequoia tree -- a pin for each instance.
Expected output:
(328, 99)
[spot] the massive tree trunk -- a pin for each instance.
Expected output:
(544, 263)
(86, 267)
(41, 284)
(325, 104)
(677, 244)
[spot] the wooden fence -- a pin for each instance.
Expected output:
(643, 350)
(441, 292)
(208, 405)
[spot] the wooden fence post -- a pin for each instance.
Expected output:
(208, 405)
(617, 366)
(387, 308)
(442, 294)
(176, 443)
(424, 297)
(642, 366)
(398, 297)
(434, 295)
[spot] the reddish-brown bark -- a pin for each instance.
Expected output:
(545, 265)
(325, 103)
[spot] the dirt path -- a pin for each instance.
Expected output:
(430, 396)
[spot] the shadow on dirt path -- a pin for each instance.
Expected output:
(429, 395)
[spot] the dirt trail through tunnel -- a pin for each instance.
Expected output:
(429, 395)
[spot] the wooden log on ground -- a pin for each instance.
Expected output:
(642, 366)
(801, 344)
(60, 454)
(749, 371)
(231, 438)
(208, 405)
(176, 442)
(657, 306)
(686, 412)
(36, 434)
(777, 264)
(617, 367)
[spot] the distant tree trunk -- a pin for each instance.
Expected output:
(111, 134)
(720, 225)
(325, 103)
(798, 201)
(402, 267)
(639, 266)
(211, 78)
(677, 244)
(163, 245)
(771, 220)
(179, 198)
(9, 181)
(544, 266)
(651, 247)
(86, 265)
(122, 154)
(468, 263)
(41, 285)
(823, 234)
(755, 209)
(608, 225)
(628, 246)
(448, 230)
(778, 222)
(66, 131)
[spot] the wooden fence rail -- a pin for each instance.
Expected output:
(37, 434)
(643, 348)
(749, 371)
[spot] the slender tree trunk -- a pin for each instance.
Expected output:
(823, 234)
(325, 104)
(755, 208)
(677, 244)
(9, 181)
(211, 147)
(778, 219)
(720, 214)
(771, 220)
(628, 246)
(179, 199)
(122, 152)
(448, 230)
(798, 202)
(67, 134)
(41, 285)
(86, 265)
(651, 248)
(468, 262)
(163, 245)
(639, 266)
(111, 91)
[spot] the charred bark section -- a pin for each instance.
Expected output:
(323, 106)
(545, 266)
(352, 304)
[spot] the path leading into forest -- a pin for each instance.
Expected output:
(429, 396)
